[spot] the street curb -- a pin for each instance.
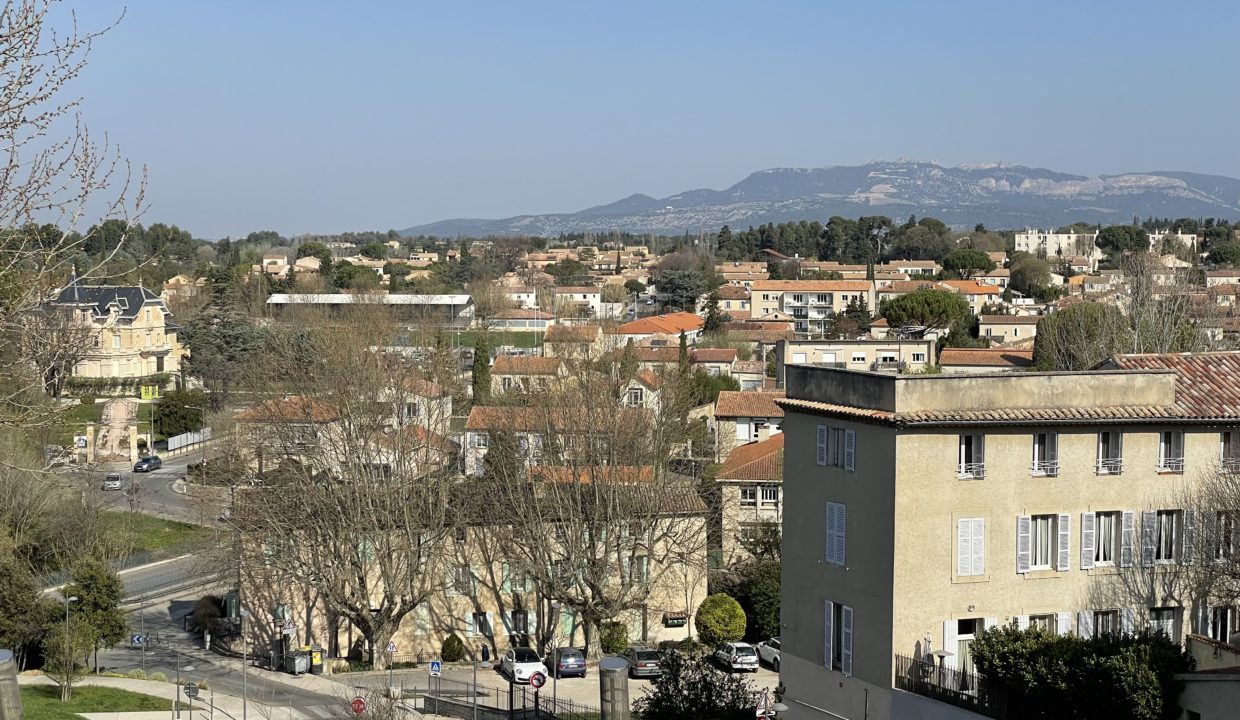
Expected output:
(157, 563)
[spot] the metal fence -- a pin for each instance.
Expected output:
(176, 442)
(493, 700)
(948, 685)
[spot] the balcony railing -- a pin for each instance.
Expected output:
(1230, 465)
(835, 365)
(927, 677)
(1110, 466)
(887, 366)
(971, 471)
(1045, 467)
(1171, 465)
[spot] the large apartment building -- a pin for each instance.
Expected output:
(810, 303)
(133, 333)
(920, 510)
(1053, 245)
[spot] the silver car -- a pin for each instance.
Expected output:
(112, 482)
(737, 656)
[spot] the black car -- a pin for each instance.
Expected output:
(567, 662)
(148, 463)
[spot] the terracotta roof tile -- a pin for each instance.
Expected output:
(712, 355)
(762, 461)
(749, 367)
(670, 324)
(1010, 319)
(1207, 384)
(296, 408)
(748, 403)
(986, 357)
(812, 285)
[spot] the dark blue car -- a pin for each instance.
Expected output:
(147, 464)
(567, 662)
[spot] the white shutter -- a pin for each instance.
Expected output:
(979, 546)
(822, 444)
(1022, 622)
(490, 624)
(988, 623)
(850, 450)
(506, 618)
(1052, 447)
(469, 624)
(1126, 540)
(1085, 623)
(828, 613)
(505, 585)
(1063, 623)
(964, 547)
(1065, 540)
(1022, 544)
(1129, 620)
(1190, 537)
(846, 640)
(1087, 540)
(1149, 526)
(949, 642)
(532, 623)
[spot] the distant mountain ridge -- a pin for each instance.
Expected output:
(997, 194)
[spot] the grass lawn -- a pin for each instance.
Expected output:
(495, 338)
(144, 532)
(42, 702)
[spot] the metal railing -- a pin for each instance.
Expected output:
(881, 366)
(971, 471)
(1229, 464)
(1045, 467)
(1171, 465)
(929, 678)
(1110, 466)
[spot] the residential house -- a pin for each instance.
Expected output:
(1222, 276)
(751, 374)
(745, 416)
(521, 296)
(659, 329)
(999, 277)
(1008, 328)
(181, 287)
(1053, 245)
(734, 300)
(521, 319)
(912, 268)
(134, 335)
(976, 293)
(713, 361)
(573, 341)
(524, 373)
(889, 355)
(920, 510)
(584, 302)
(645, 390)
(534, 426)
(812, 304)
(984, 360)
(748, 498)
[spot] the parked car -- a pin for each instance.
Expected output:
(148, 463)
(737, 656)
(768, 652)
(643, 661)
(521, 663)
(112, 481)
(567, 662)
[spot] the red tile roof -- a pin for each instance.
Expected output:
(296, 408)
(1010, 319)
(571, 334)
(669, 324)
(548, 419)
(812, 285)
(712, 355)
(986, 357)
(521, 365)
(971, 287)
(761, 461)
(748, 403)
(1207, 384)
(733, 292)
(749, 367)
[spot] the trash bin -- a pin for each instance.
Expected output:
(316, 660)
(299, 662)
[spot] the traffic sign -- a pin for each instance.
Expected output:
(137, 639)
(764, 706)
(358, 706)
(436, 667)
(391, 648)
(537, 680)
(191, 690)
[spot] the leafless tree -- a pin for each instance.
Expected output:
(53, 342)
(54, 172)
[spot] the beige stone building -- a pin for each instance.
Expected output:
(749, 496)
(1004, 329)
(888, 355)
(922, 509)
(134, 333)
(745, 416)
(810, 303)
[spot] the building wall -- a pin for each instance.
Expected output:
(916, 354)
(133, 348)
(864, 583)
(735, 517)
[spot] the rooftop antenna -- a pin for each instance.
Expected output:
(73, 282)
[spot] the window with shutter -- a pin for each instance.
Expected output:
(1063, 623)
(850, 450)
(970, 546)
(1045, 454)
(1087, 541)
(828, 635)
(1023, 540)
(822, 444)
(1110, 453)
(1189, 537)
(1171, 451)
(972, 462)
(836, 522)
(1085, 623)
(1127, 541)
(1065, 538)
(1149, 543)
(846, 640)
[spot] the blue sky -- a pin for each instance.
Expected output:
(328, 116)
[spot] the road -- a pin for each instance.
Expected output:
(154, 579)
(168, 644)
(149, 493)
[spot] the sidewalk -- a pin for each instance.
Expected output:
(210, 704)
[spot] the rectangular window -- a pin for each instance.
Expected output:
(770, 495)
(1045, 622)
(970, 546)
(919, 357)
(1225, 534)
(749, 496)
(481, 441)
(637, 397)
(116, 341)
(1171, 451)
(1042, 538)
(482, 624)
(1045, 454)
(506, 383)
(858, 357)
(1229, 453)
(972, 463)
(1110, 452)
(798, 358)
(1167, 532)
(836, 521)
(411, 410)
(1162, 620)
(1106, 538)
(798, 299)
(1223, 622)
(639, 569)
(1106, 622)
(743, 430)
(837, 447)
(462, 580)
(837, 653)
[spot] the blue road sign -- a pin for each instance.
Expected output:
(137, 639)
(436, 668)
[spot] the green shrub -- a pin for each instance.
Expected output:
(137, 674)
(158, 677)
(720, 619)
(453, 649)
(614, 637)
(690, 686)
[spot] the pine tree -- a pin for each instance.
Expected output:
(482, 370)
(714, 317)
(682, 359)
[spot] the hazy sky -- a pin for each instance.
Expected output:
(331, 116)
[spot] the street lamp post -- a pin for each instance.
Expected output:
(176, 692)
(245, 705)
(486, 665)
(555, 670)
(68, 659)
